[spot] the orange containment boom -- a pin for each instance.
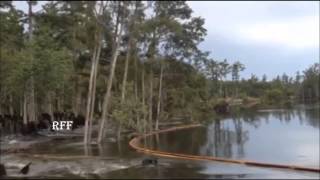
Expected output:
(135, 144)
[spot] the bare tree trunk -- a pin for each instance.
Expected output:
(96, 58)
(11, 105)
(30, 14)
(93, 78)
(74, 98)
(136, 92)
(124, 81)
(62, 99)
(136, 77)
(159, 97)
(143, 102)
(21, 107)
(78, 102)
(151, 95)
(119, 131)
(94, 88)
(25, 113)
(150, 100)
(152, 48)
(107, 97)
(86, 129)
(144, 105)
(58, 103)
(31, 109)
(50, 106)
(90, 94)
(99, 106)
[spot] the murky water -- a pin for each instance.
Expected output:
(274, 136)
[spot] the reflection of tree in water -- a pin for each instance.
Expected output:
(183, 141)
(221, 141)
(250, 117)
(313, 117)
(239, 136)
(304, 115)
(280, 115)
(226, 138)
(299, 115)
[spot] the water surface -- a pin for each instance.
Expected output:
(275, 136)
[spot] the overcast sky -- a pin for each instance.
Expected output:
(268, 37)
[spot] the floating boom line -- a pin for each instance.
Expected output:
(135, 144)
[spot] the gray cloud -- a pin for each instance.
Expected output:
(261, 59)
(225, 21)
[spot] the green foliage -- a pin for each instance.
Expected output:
(274, 96)
(310, 86)
(130, 113)
(11, 42)
(58, 60)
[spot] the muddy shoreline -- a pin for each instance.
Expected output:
(81, 162)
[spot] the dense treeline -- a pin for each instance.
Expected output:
(282, 90)
(133, 63)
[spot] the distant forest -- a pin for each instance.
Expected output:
(130, 63)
